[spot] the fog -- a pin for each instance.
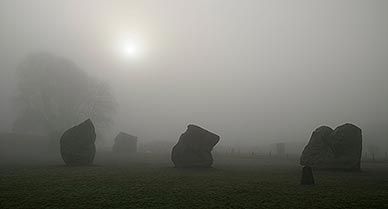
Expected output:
(254, 72)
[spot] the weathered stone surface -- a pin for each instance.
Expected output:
(334, 149)
(194, 148)
(346, 143)
(77, 144)
(307, 176)
(318, 152)
(125, 143)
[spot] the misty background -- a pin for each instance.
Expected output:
(254, 72)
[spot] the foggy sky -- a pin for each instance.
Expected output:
(251, 71)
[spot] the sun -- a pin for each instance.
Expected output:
(130, 46)
(130, 49)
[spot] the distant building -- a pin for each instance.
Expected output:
(287, 148)
(281, 148)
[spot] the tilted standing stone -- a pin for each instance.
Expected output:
(194, 148)
(307, 176)
(77, 144)
(317, 152)
(125, 143)
(334, 149)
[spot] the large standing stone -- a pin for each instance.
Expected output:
(125, 143)
(194, 148)
(317, 152)
(77, 144)
(346, 143)
(334, 149)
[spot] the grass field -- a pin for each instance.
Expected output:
(247, 183)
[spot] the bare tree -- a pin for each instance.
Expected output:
(54, 94)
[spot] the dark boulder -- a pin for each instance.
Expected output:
(346, 143)
(318, 152)
(77, 144)
(125, 143)
(194, 148)
(307, 176)
(338, 149)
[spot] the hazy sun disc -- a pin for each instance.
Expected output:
(130, 46)
(130, 50)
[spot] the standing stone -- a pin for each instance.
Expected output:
(317, 152)
(338, 149)
(77, 144)
(194, 148)
(125, 143)
(346, 143)
(307, 176)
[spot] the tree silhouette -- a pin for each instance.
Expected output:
(54, 94)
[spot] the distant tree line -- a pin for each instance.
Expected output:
(53, 95)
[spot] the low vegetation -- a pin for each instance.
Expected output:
(254, 183)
